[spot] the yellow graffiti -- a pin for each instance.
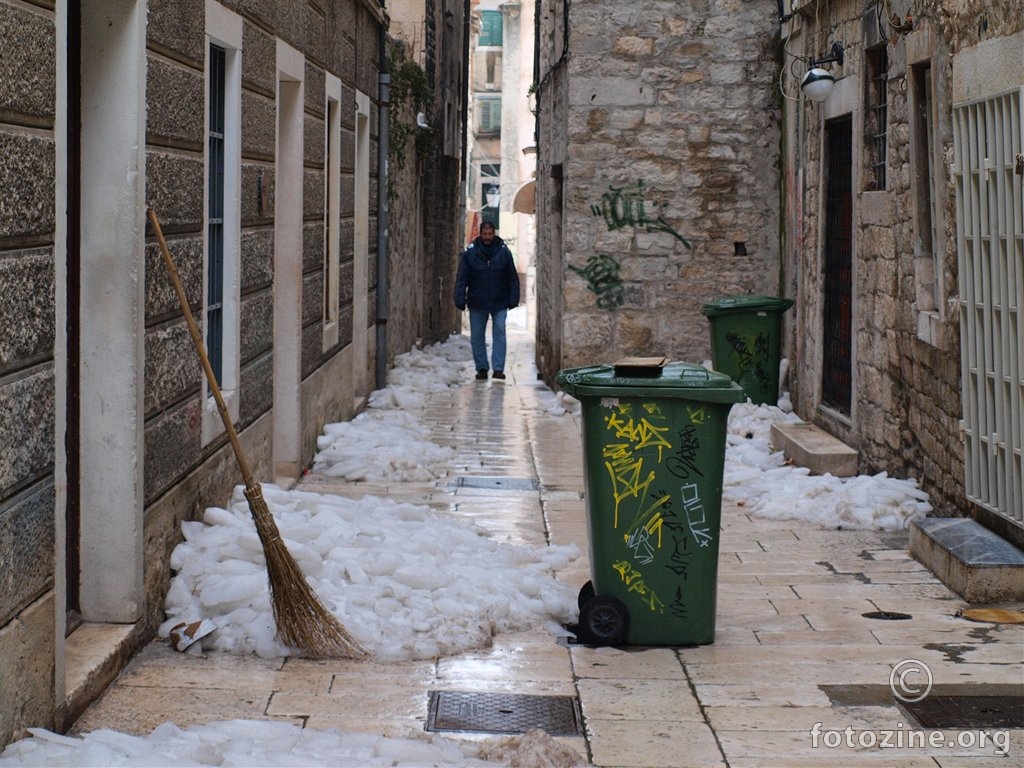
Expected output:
(634, 580)
(697, 415)
(641, 433)
(626, 474)
(651, 519)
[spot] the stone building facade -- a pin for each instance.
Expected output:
(252, 130)
(881, 245)
(658, 174)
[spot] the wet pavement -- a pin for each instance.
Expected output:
(797, 675)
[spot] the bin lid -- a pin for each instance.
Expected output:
(729, 304)
(679, 380)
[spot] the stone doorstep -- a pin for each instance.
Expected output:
(807, 445)
(974, 562)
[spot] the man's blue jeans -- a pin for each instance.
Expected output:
(477, 338)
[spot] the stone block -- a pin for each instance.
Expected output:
(259, 60)
(313, 299)
(27, 311)
(316, 82)
(259, 125)
(808, 445)
(26, 426)
(611, 91)
(172, 446)
(179, 26)
(257, 193)
(171, 184)
(26, 548)
(27, 178)
(161, 299)
(257, 259)
(28, 67)
(174, 97)
(27, 672)
(257, 393)
(314, 136)
(313, 186)
(313, 247)
(257, 324)
(973, 561)
(172, 366)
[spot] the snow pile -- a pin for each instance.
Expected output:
(269, 743)
(761, 480)
(380, 445)
(406, 582)
(422, 372)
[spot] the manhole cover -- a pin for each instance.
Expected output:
(887, 615)
(498, 483)
(503, 713)
(968, 711)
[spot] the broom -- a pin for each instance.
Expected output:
(302, 620)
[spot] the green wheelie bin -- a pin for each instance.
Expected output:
(654, 452)
(746, 339)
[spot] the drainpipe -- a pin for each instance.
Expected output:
(383, 147)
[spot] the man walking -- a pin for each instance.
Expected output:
(488, 284)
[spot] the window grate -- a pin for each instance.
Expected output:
(988, 138)
(876, 117)
(215, 214)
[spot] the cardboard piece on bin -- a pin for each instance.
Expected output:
(639, 366)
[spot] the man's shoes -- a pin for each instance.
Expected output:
(482, 374)
(499, 374)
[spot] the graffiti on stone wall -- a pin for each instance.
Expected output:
(620, 207)
(627, 206)
(602, 275)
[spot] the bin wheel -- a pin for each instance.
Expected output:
(604, 620)
(586, 594)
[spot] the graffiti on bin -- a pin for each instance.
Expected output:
(695, 517)
(751, 352)
(683, 463)
(634, 581)
(658, 508)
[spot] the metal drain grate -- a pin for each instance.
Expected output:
(498, 483)
(887, 615)
(968, 711)
(503, 713)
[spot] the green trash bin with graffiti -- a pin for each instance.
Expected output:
(654, 437)
(746, 341)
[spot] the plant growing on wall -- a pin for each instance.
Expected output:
(410, 93)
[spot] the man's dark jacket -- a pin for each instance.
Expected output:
(487, 277)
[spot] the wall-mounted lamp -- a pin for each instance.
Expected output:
(421, 120)
(818, 83)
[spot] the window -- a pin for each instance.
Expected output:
(488, 115)
(928, 243)
(490, 193)
(332, 207)
(222, 225)
(490, 28)
(876, 110)
(215, 214)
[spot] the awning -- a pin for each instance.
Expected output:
(525, 200)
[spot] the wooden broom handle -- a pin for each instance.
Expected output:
(197, 340)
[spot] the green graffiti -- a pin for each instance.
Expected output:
(626, 206)
(602, 275)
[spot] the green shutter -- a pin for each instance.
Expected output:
(490, 115)
(490, 28)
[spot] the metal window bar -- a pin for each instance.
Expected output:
(876, 130)
(837, 336)
(988, 136)
(215, 213)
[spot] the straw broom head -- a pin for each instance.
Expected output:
(302, 620)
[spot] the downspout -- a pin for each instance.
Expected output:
(464, 125)
(383, 148)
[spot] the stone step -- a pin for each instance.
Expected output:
(974, 562)
(807, 445)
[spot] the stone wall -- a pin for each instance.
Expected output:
(670, 178)
(28, 325)
(906, 385)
